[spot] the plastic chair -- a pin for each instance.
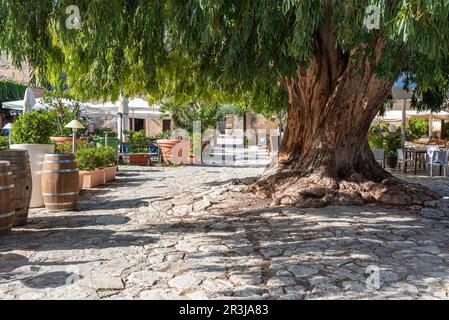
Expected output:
(379, 155)
(402, 160)
(438, 158)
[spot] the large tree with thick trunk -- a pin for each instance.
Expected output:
(317, 58)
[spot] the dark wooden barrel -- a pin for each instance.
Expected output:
(20, 167)
(60, 182)
(7, 198)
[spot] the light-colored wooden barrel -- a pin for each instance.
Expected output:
(20, 167)
(7, 198)
(60, 182)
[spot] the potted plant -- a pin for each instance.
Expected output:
(97, 166)
(105, 137)
(183, 117)
(63, 109)
(392, 143)
(139, 144)
(108, 154)
(379, 137)
(4, 144)
(31, 132)
(166, 145)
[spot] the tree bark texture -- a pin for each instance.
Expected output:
(325, 158)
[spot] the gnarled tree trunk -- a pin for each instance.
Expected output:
(324, 158)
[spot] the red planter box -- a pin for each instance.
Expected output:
(139, 159)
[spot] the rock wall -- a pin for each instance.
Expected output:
(254, 121)
(9, 72)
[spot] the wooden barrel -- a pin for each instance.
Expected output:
(7, 198)
(60, 182)
(20, 167)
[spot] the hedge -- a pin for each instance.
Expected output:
(11, 91)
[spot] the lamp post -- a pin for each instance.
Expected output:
(120, 129)
(8, 127)
(75, 125)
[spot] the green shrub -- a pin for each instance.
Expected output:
(11, 91)
(66, 147)
(100, 132)
(376, 136)
(90, 159)
(4, 143)
(166, 135)
(87, 159)
(109, 156)
(393, 143)
(418, 127)
(380, 138)
(68, 116)
(33, 127)
(136, 139)
(375, 141)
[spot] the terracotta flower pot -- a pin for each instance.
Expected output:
(92, 179)
(110, 173)
(391, 162)
(139, 159)
(175, 151)
(61, 140)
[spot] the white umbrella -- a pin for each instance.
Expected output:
(123, 106)
(29, 101)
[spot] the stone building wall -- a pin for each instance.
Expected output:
(9, 72)
(254, 121)
(153, 127)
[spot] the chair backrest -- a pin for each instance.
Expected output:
(431, 151)
(440, 156)
(400, 154)
(379, 154)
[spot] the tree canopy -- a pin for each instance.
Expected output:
(219, 50)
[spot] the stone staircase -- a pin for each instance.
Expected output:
(229, 151)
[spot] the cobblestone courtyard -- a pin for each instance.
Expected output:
(190, 233)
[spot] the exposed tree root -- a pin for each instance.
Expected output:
(314, 191)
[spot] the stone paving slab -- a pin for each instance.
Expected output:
(189, 233)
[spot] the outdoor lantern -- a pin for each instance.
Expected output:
(8, 127)
(75, 125)
(392, 128)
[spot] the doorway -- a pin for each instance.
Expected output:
(166, 125)
(137, 124)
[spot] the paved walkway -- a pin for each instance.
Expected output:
(189, 233)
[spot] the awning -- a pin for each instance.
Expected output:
(138, 108)
(441, 116)
(396, 115)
